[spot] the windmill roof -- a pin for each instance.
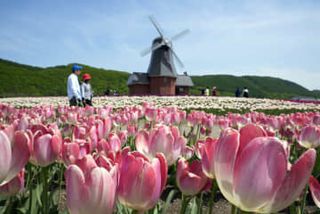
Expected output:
(184, 80)
(161, 63)
(138, 78)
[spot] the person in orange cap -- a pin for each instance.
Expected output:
(86, 90)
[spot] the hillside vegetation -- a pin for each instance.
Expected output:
(24, 80)
(258, 86)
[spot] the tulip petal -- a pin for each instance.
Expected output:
(309, 137)
(102, 191)
(207, 151)
(257, 177)
(315, 190)
(248, 133)
(161, 141)
(140, 182)
(295, 181)
(163, 169)
(5, 156)
(190, 178)
(225, 156)
(56, 145)
(42, 150)
(77, 192)
(20, 154)
(142, 142)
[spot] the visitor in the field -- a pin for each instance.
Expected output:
(86, 90)
(206, 91)
(238, 92)
(214, 91)
(245, 92)
(73, 86)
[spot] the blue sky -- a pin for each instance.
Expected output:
(278, 38)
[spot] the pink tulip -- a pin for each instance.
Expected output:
(103, 127)
(47, 145)
(14, 186)
(190, 178)
(141, 180)
(123, 135)
(310, 137)
(254, 174)
(206, 150)
(79, 132)
(90, 188)
(113, 143)
(151, 113)
(315, 190)
(70, 152)
(164, 139)
(14, 153)
(316, 119)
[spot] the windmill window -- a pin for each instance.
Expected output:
(165, 80)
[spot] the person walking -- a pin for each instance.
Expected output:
(238, 92)
(245, 92)
(206, 92)
(214, 91)
(73, 86)
(86, 90)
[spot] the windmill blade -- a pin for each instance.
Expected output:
(177, 58)
(181, 34)
(145, 51)
(156, 25)
(148, 50)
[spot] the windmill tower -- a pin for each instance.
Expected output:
(161, 71)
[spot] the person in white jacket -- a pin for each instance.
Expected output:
(73, 86)
(86, 90)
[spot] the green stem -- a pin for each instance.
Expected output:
(184, 204)
(304, 198)
(9, 206)
(60, 183)
(214, 189)
(200, 203)
(28, 168)
(234, 209)
(29, 186)
(44, 196)
(198, 134)
(294, 208)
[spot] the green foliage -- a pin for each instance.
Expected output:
(24, 80)
(261, 87)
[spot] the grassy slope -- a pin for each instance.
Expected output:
(258, 86)
(23, 80)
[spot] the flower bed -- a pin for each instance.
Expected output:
(125, 157)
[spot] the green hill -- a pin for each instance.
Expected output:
(24, 80)
(258, 86)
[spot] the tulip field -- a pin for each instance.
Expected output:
(144, 154)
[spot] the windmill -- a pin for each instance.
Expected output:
(162, 53)
(161, 77)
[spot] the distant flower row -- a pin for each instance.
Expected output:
(191, 102)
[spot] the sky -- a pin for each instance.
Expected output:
(279, 38)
